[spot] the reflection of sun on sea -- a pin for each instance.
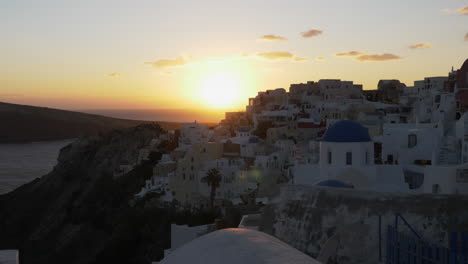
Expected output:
(220, 90)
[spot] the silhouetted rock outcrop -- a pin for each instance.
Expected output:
(82, 213)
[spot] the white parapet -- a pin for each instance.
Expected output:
(9, 256)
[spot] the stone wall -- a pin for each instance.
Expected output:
(342, 225)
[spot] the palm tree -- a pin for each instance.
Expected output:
(213, 179)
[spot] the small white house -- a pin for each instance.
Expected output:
(446, 180)
(409, 143)
(191, 133)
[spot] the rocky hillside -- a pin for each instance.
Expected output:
(22, 123)
(80, 213)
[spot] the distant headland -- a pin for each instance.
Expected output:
(23, 123)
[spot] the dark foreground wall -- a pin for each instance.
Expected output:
(342, 226)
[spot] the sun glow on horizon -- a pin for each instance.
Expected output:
(222, 86)
(220, 90)
(210, 59)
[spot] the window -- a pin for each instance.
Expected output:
(412, 140)
(435, 188)
(349, 158)
(329, 157)
(390, 158)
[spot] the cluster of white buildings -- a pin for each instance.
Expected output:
(327, 133)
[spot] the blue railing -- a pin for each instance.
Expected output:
(404, 248)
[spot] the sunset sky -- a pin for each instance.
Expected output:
(96, 54)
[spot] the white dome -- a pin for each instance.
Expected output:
(237, 245)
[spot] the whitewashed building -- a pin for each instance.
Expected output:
(191, 133)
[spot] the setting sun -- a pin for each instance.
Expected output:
(220, 90)
(225, 84)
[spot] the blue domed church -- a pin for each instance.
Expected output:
(347, 154)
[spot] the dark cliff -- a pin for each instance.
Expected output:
(81, 213)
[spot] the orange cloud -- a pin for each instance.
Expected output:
(300, 59)
(319, 58)
(272, 38)
(466, 37)
(280, 55)
(463, 10)
(276, 55)
(378, 57)
(168, 63)
(421, 46)
(362, 57)
(113, 74)
(311, 33)
(349, 54)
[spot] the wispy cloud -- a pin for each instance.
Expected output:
(466, 37)
(269, 56)
(113, 74)
(463, 10)
(378, 57)
(421, 46)
(363, 57)
(349, 54)
(280, 55)
(168, 63)
(311, 33)
(320, 58)
(272, 38)
(300, 59)
(276, 55)
(169, 67)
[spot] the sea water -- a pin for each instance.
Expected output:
(22, 163)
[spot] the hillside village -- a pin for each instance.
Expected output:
(397, 138)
